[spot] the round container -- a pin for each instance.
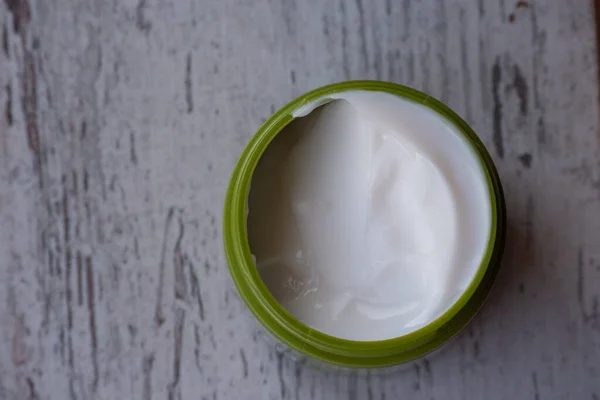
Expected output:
(308, 341)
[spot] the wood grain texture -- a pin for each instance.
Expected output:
(120, 124)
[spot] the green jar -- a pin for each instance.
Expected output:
(316, 345)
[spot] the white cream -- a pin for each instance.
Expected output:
(369, 216)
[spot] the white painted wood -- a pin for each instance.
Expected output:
(121, 122)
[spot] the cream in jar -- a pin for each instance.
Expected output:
(368, 215)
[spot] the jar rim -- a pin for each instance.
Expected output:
(309, 341)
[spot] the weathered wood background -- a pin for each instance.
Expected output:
(121, 121)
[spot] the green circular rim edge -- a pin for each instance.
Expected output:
(283, 325)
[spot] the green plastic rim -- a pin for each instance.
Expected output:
(308, 341)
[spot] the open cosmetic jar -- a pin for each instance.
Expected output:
(364, 224)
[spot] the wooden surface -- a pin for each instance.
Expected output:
(121, 121)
